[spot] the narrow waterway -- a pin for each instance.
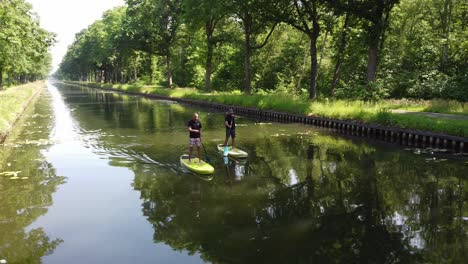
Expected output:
(94, 177)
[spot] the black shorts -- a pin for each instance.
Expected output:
(230, 132)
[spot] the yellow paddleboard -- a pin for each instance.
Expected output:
(196, 165)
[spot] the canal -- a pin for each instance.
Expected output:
(94, 177)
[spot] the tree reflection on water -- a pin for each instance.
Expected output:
(25, 199)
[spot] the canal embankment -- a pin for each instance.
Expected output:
(13, 102)
(372, 120)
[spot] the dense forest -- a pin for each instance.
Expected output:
(24, 45)
(364, 49)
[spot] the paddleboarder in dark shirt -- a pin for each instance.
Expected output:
(194, 127)
(230, 123)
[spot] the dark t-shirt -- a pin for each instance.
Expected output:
(194, 125)
(230, 119)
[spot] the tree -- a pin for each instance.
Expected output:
(24, 45)
(305, 17)
(254, 18)
(377, 13)
(154, 24)
(220, 45)
(206, 14)
(340, 53)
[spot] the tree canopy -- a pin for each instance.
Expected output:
(316, 49)
(24, 45)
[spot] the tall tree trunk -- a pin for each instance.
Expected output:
(313, 59)
(308, 12)
(135, 73)
(1, 78)
(208, 66)
(313, 69)
(322, 49)
(446, 20)
(372, 62)
(336, 72)
(152, 63)
(375, 33)
(376, 36)
(8, 79)
(209, 29)
(247, 65)
(169, 69)
(303, 69)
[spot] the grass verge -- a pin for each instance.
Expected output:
(365, 112)
(13, 101)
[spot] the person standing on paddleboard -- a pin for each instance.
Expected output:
(194, 127)
(230, 123)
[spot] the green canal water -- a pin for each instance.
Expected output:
(94, 177)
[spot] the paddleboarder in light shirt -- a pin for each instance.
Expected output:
(230, 123)
(194, 127)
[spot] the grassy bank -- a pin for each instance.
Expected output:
(367, 112)
(13, 101)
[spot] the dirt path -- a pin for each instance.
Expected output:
(434, 115)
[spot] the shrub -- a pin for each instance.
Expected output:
(372, 91)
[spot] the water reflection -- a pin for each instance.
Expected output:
(354, 208)
(27, 195)
(303, 195)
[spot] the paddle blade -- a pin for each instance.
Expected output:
(226, 151)
(207, 159)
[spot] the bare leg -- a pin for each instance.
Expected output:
(190, 153)
(233, 142)
(225, 142)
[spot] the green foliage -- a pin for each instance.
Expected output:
(24, 45)
(423, 55)
(456, 88)
(442, 125)
(228, 76)
(385, 117)
(422, 48)
(372, 91)
(281, 64)
(436, 84)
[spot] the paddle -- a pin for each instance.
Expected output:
(226, 148)
(226, 151)
(226, 162)
(206, 154)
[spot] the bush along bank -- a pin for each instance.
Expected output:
(355, 113)
(13, 102)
